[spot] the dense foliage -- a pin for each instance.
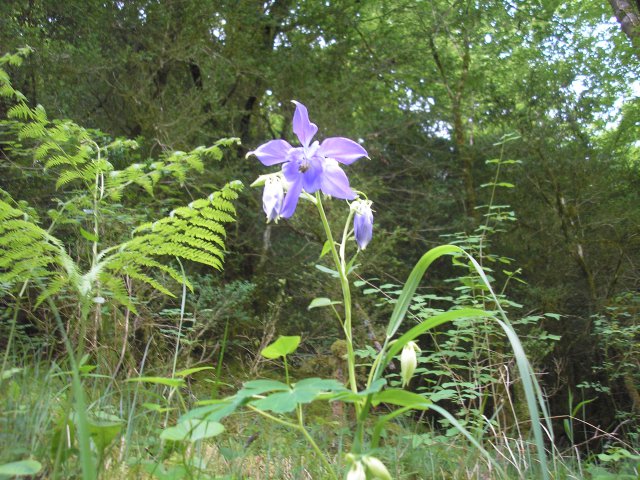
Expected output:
(509, 128)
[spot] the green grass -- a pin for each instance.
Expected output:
(35, 424)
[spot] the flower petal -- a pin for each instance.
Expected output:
(272, 198)
(334, 181)
(291, 199)
(302, 127)
(272, 152)
(342, 149)
(313, 175)
(291, 169)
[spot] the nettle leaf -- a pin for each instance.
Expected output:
(305, 391)
(281, 347)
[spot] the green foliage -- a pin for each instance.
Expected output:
(26, 250)
(617, 331)
(282, 347)
(23, 468)
(429, 87)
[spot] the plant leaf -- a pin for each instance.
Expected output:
(322, 302)
(281, 347)
(21, 468)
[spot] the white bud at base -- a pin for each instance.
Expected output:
(408, 362)
(272, 198)
(356, 472)
(376, 468)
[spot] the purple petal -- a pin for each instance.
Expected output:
(342, 149)
(291, 169)
(291, 199)
(272, 152)
(313, 174)
(363, 226)
(334, 181)
(302, 127)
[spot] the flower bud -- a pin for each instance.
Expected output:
(272, 197)
(376, 468)
(356, 472)
(408, 362)
(362, 222)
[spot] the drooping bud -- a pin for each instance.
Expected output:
(376, 468)
(356, 472)
(272, 197)
(408, 362)
(362, 222)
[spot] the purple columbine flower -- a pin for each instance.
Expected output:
(362, 222)
(272, 197)
(313, 166)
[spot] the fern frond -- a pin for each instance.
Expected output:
(26, 250)
(20, 111)
(32, 130)
(68, 176)
(216, 215)
(54, 287)
(204, 234)
(136, 274)
(114, 287)
(194, 233)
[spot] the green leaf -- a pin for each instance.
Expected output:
(412, 283)
(10, 373)
(442, 395)
(281, 347)
(169, 382)
(346, 395)
(104, 428)
(89, 236)
(280, 402)
(191, 371)
(154, 407)
(402, 398)
(428, 324)
(176, 434)
(205, 429)
(305, 391)
(331, 272)
(322, 302)
(326, 248)
(21, 468)
(192, 430)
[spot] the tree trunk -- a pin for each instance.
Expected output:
(628, 16)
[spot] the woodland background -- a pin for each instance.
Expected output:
(436, 91)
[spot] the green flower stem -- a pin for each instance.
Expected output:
(345, 235)
(346, 294)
